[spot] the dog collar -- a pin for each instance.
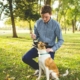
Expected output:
(44, 53)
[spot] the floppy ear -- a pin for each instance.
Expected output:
(35, 43)
(42, 44)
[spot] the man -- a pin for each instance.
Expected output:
(46, 30)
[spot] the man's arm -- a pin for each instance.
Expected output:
(59, 36)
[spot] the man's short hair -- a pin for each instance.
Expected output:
(46, 9)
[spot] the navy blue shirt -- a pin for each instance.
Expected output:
(49, 32)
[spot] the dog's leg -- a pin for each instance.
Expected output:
(47, 73)
(39, 76)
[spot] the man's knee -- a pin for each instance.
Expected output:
(24, 58)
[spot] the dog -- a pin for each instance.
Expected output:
(47, 64)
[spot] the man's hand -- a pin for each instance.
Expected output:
(33, 36)
(49, 50)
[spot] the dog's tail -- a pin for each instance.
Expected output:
(65, 74)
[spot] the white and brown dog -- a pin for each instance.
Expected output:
(47, 64)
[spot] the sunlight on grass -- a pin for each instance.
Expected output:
(12, 50)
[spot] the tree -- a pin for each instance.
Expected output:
(12, 18)
(8, 11)
(68, 13)
(28, 10)
(74, 13)
(1, 8)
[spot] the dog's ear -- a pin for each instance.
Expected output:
(42, 44)
(46, 44)
(35, 43)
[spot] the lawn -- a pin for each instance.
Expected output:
(12, 50)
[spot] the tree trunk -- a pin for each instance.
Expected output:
(73, 26)
(30, 28)
(75, 22)
(2, 9)
(65, 24)
(57, 17)
(1, 14)
(12, 19)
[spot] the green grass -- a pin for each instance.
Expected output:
(12, 50)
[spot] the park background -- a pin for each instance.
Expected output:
(17, 18)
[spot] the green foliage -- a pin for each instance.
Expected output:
(12, 50)
(27, 10)
(31, 15)
(67, 10)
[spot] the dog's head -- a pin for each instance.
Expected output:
(39, 44)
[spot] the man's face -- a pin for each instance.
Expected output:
(46, 17)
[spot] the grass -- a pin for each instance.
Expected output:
(12, 50)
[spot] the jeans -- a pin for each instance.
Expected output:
(33, 53)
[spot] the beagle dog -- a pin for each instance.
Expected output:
(46, 63)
